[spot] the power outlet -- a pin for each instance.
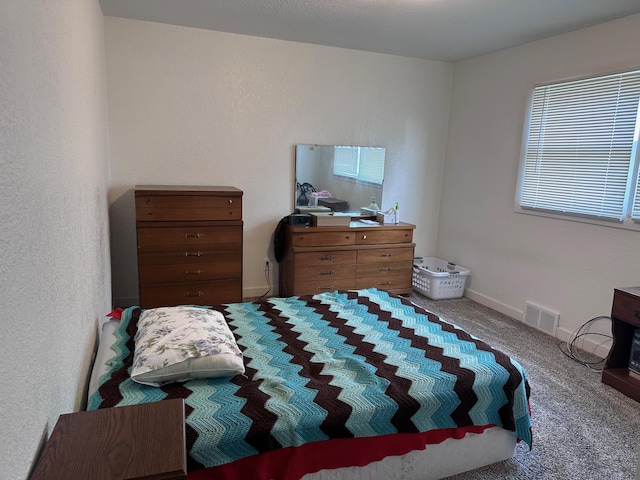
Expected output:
(266, 265)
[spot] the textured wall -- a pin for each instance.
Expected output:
(54, 250)
(568, 267)
(190, 106)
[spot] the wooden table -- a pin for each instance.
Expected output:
(139, 441)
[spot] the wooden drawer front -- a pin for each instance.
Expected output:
(373, 237)
(188, 235)
(189, 272)
(323, 239)
(378, 255)
(404, 267)
(329, 285)
(326, 258)
(324, 273)
(150, 208)
(388, 282)
(186, 254)
(626, 307)
(192, 293)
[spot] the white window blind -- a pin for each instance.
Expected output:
(580, 156)
(364, 164)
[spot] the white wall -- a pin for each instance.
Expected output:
(568, 267)
(190, 106)
(54, 250)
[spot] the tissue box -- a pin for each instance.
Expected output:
(386, 217)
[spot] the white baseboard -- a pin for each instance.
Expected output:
(599, 349)
(256, 292)
(494, 304)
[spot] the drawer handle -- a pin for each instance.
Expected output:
(384, 269)
(328, 287)
(364, 237)
(195, 272)
(327, 258)
(192, 254)
(189, 294)
(386, 254)
(230, 201)
(330, 272)
(193, 235)
(384, 283)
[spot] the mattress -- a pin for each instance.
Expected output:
(390, 329)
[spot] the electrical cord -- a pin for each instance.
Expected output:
(572, 351)
(267, 276)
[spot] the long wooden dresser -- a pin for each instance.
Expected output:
(319, 259)
(189, 245)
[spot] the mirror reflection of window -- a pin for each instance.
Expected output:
(365, 164)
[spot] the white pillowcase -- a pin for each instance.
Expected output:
(177, 344)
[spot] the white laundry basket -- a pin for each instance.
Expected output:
(438, 279)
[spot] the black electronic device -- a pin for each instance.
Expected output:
(299, 219)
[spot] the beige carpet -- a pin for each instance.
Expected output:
(582, 429)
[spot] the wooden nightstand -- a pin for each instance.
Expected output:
(625, 315)
(139, 441)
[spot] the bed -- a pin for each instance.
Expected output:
(345, 384)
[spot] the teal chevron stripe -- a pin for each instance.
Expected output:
(439, 405)
(297, 399)
(339, 361)
(217, 419)
(428, 381)
(134, 393)
(289, 400)
(372, 409)
(490, 376)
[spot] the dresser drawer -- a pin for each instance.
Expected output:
(626, 307)
(388, 282)
(313, 287)
(188, 272)
(324, 273)
(189, 254)
(376, 237)
(322, 239)
(187, 235)
(404, 267)
(326, 258)
(154, 208)
(377, 255)
(192, 293)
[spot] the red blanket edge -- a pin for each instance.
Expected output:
(292, 463)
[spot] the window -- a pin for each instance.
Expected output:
(365, 164)
(580, 150)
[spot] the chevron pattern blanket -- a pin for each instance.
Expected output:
(335, 365)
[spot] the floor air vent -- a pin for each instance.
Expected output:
(541, 318)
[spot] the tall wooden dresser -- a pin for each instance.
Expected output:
(189, 245)
(319, 259)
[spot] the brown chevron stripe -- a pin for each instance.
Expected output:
(258, 436)
(464, 377)
(398, 389)
(509, 388)
(338, 412)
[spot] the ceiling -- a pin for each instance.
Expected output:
(447, 30)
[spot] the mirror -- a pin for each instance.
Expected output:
(338, 178)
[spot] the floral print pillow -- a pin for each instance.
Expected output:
(177, 344)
